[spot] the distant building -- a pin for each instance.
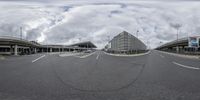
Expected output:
(126, 42)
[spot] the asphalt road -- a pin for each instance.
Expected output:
(155, 76)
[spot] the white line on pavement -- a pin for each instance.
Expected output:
(2, 57)
(88, 55)
(185, 66)
(162, 56)
(97, 56)
(69, 54)
(38, 58)
(179, 55)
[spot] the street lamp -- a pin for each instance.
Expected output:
(177, 27)
(148, 44)
(137, 38)
(160, 44)
(137, 33)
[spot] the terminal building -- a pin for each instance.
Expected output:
(183, 45)
(125, 42)
(16, 46)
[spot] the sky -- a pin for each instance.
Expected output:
(71, 21)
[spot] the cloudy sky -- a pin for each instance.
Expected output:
(67, 21)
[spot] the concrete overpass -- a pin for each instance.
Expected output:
(179, 46)
(16, 46)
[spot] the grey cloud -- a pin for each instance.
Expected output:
(97, 21)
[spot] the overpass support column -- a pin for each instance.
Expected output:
(16, 50)
(177, 49)
(11, 49)
(50, 49)
(35, 50)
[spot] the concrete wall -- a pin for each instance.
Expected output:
(126, 42)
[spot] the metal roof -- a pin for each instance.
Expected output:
(85, 44)
(6, 40)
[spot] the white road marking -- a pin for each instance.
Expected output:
(87, 55)
(185, 66)
(38, 58)
(179, 55)
(97, 56)
(2, 57)
(69, 54)
(162, 56)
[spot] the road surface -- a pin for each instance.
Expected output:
(98, 76)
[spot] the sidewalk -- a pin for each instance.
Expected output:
(181, 55)
(69, 54)
(2, 57)
(125, 55)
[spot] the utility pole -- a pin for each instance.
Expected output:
(137, 38)
(177, 26)
(161, 43)
(148, 46)
(137, 33)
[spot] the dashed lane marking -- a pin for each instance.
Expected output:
(97, 56)
(38, 58)
(185, 66)
(162, 56)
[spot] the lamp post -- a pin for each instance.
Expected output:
(148, 47)
(137, 38)
(137, 33)
(177, 26)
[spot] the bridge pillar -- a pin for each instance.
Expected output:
(15, 50)
(177, 49)
(50, 49)
(29, 50)
(11, 49)
(35, 50)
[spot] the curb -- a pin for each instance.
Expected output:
(134, 55)
(2, 57)
(67, 55)
(181, 55)
(87, 55)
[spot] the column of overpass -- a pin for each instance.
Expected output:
(50, 49)
(35, 50)
(16, 50)
(11, 49)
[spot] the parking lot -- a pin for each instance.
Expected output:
(97, 75)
